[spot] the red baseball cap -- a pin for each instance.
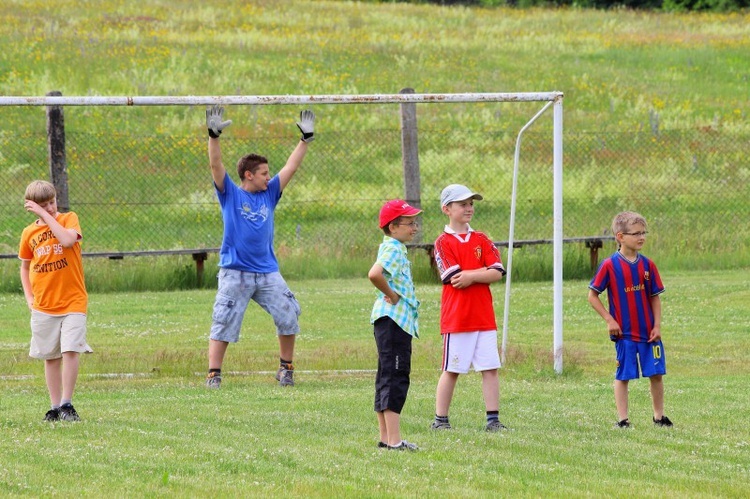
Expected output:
(396, 208)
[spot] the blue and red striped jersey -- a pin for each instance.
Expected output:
(629, 286)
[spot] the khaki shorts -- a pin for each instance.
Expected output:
(237, 288)
(51, 335)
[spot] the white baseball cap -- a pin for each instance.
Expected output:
(457, 192)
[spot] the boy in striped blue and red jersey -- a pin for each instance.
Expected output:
(633, 288)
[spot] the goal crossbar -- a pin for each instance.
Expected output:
(56, 100)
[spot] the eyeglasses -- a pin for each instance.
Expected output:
(636, 234)
(411, 224)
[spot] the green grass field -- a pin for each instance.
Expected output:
(151, 429)
(667, 91)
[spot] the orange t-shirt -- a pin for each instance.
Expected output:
(55, 272)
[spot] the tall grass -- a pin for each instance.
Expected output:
(641, 75)
(176, 272)
(615, 67)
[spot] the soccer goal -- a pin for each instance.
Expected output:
(550, 99)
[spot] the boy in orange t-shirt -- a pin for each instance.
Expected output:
(52, 279)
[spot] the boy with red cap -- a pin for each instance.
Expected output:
(394, 318)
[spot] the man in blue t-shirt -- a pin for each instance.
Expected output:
(248, 266)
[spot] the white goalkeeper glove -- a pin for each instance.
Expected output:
(214, 123)
(306, 125)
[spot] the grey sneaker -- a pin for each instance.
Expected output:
(68, 413)
(495, 425)
(213, 380)
(52, 415)
(285, 376)
(439, 425)
(404, 445)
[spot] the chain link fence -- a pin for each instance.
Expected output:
(154, 192)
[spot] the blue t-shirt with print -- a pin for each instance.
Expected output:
(247, 244)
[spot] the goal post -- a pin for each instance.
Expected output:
(554, 99)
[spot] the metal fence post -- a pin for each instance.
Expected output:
(410, 154)
(58, 172)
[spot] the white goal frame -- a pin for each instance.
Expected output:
(554, 99)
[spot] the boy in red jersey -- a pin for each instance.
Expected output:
(52, 280)
(633, 288)
(468, 263)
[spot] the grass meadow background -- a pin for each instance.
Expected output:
(655, 117)
(149, 427)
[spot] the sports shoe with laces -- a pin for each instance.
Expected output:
(52, 415)
(68, 413)
(440, 425)
(213, 380)
(664, 421)
(625, 423)
(285, 375)
(404, 445)
(495, 425)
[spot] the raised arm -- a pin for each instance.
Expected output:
(65, 236)
(306, 125)
(215, 125)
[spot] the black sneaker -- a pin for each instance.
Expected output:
(495, 425)
(213, 380)
(404, 445)
(664, 421)
(382, 445)
(625, 423)
(285, 375)
(440, 425)
(68, 413)
(52, 415)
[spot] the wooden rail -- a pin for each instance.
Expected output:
(199, 256)
(593, 243)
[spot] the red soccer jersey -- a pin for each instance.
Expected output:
(468, 309)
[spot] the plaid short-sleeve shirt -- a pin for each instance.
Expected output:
(397, 270)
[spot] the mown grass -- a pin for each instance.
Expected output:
(150, 428)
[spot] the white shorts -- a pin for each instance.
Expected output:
(463, 350)
(51, 335)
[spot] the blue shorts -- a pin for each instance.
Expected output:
(237, 288)
(630, 354)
